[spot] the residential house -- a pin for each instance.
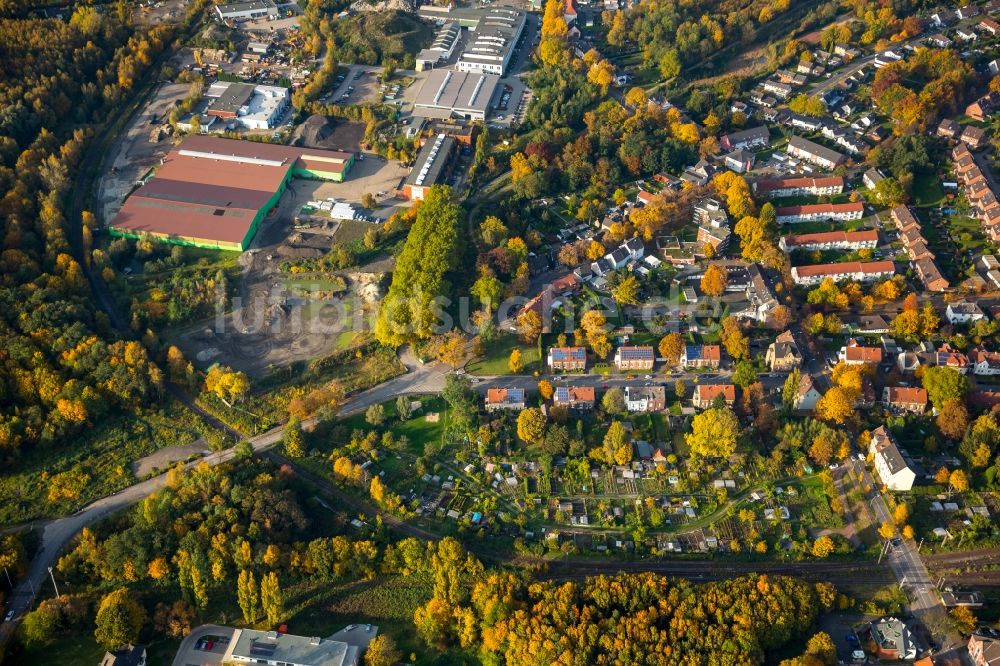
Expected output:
(903, 218)
(943, 18)
(783, 354)
(504, 398)
(938, 41)
(854, 354)
(574, 397)
(974, 137)
(705, 395)
(701, 356)
(778, 89)
(930, 275)
(818, 212)
(963, 312)
(984, 363)
(966, 35)
(873, 324)
(739, 161)
(949, 129)
(814, 153)
(893, 471)
(900, 399)
(793, 187)
(129, 655)
(831, 240)
(699, 174)
(566, 285)
(635, 358)
(750, 139)
(645, 398)
(857, 271)
(872, 178)
(967, 12)
(908, 362)
(759, 293)
(984, 650)
(567, 358)
(807, 394)
(988, 25)
(949, 357)
(893, 641)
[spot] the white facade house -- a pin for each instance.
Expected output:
(847, 270)
(894, 472)
(963, 312)
(817, 212)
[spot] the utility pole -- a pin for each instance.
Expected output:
(53, 576)
(8, 578)
(920, 545)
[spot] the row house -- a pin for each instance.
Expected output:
(635, 358)
(705, 395)
(948, 129)
(645, 398)
(983, 107)
(919, 254)
(930, 275)
(567, 358)
(904, 399)
(818, 212)
(984, 363)
(814, 153)
(794, 187)
(978, 191)
(858, 271)
(701, 356)
(831, 240)
(750, 139)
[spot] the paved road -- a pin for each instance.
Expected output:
(909, 568)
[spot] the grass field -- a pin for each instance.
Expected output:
(495, 360)
(927, 190)
(104, 453)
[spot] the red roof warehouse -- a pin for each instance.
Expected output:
(212, 192)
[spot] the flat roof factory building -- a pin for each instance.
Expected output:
(494, 31)
(251, 106)
(247, 10)
(450, 94)
(213, 193)
(433, 163)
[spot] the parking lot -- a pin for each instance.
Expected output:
(204, 646)
(360, 84)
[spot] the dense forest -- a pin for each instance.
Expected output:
(60, 368)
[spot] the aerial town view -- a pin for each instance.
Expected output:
(500, 332)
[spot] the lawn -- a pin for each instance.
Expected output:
(75, 648)
(927, 190)
(820, 227)
(495, 360)
(417, 429)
